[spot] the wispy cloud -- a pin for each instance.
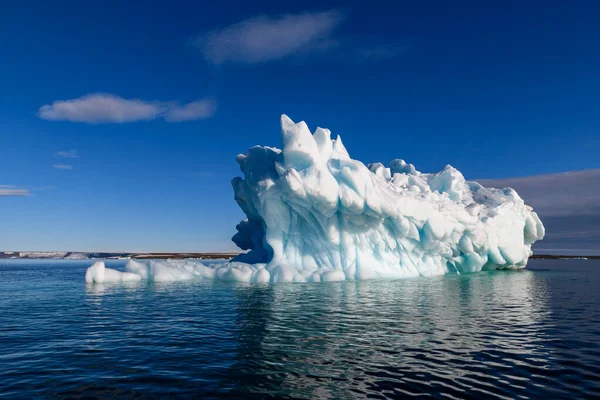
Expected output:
(8, 190)
(568, 204)
(200, 109)
(62, 166)
(67, 153)
(265, 38)
(102, 108)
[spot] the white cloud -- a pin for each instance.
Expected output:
(62, 166)
(101, 108)
(264, 38)
(7, 190)
(67, 153)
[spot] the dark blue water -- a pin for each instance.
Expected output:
(519, 334)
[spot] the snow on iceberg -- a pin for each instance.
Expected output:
(315, 214)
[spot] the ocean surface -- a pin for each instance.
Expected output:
(517, 334)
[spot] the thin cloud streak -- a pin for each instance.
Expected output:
(62, 166)
(103, 108)
(67, 153)
(13, 191)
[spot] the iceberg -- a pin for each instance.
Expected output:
(315, 214)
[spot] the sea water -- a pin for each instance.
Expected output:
(506, 334)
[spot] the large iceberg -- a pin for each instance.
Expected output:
(315, 214)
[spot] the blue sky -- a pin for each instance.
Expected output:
(122, 120)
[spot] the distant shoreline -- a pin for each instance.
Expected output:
(562, 257)
(72, 255)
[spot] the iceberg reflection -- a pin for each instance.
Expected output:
(456, 334)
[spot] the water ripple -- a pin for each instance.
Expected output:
(505, 335)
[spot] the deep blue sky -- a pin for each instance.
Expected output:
(497, 89)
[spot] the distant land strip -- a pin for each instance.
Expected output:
(74, 255)
(562, 257)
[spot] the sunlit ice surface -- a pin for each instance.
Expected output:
(315, 214)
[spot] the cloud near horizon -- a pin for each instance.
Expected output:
(103, 108)
(264, 38)
(565, 193)
(568, 204)
(9, 190)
